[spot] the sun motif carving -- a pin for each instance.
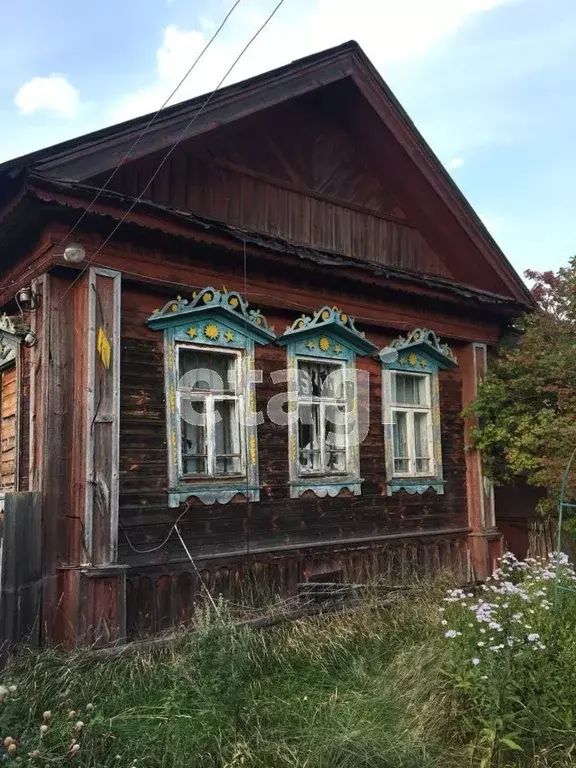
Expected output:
(229, 336)
(192, 332)
(211, 331)
(324, 343)
(412, 358)
(310, 344)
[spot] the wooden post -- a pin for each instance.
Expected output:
(83, 585)
(20, 598)
(485, 541)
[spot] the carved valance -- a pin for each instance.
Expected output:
(213, 317)
(329, 332)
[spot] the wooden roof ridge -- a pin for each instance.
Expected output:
(99, 151)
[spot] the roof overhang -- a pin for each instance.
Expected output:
(44, 200)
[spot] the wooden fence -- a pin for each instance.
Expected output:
(21, 570)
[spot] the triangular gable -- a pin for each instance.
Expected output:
(439, 208)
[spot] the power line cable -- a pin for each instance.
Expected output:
(150, 122)
(176, 143)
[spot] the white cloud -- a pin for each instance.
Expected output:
(455, 163)
(50, 94)
(387, 30)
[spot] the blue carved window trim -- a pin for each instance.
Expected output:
(420, 353)
(220, 321)
(329, 335)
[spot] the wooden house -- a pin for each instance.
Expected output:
(241, 355)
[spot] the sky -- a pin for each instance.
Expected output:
(490, 84)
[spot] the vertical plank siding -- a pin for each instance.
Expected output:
(309, 185)
(8, 428)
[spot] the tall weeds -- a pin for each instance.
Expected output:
(382, 687)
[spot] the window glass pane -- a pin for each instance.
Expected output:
(421, 442)
(319, 379)
(335, 438)
(400, 441)
(193, 431)
(309, 437)
(409, 390)
(208, 371)
(227, 437)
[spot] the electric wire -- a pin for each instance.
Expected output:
(181, 136)
(152, 120)
(164, 541)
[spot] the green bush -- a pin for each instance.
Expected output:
(512, 664)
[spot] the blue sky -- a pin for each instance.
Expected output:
(490, 83)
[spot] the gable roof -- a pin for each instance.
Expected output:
(100, 151)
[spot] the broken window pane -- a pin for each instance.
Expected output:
(193, 431)
(227, 438)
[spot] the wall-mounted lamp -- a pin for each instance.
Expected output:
(30, 339)
(74, 253)
(26, 298)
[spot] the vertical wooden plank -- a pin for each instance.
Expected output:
(55, 468)
(20, 600)
(102, 469)
(39, 369)
(479, 494)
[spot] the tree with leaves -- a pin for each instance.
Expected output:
(526, 405)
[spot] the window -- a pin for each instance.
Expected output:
(211, 413)
(325, 428)
(322, 418)
(411, 424)
(211, 420)
(411, 411)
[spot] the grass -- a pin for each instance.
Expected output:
(372, 689)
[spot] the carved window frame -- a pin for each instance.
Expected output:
(328, 335)
(419, 353)
(220, 321)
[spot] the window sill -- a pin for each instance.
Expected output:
(213, 491)
(323, 486)
(415, 485)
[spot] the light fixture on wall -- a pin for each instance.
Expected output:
(26, 298)
(74, 253)
(388, 355)
(30, 339)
